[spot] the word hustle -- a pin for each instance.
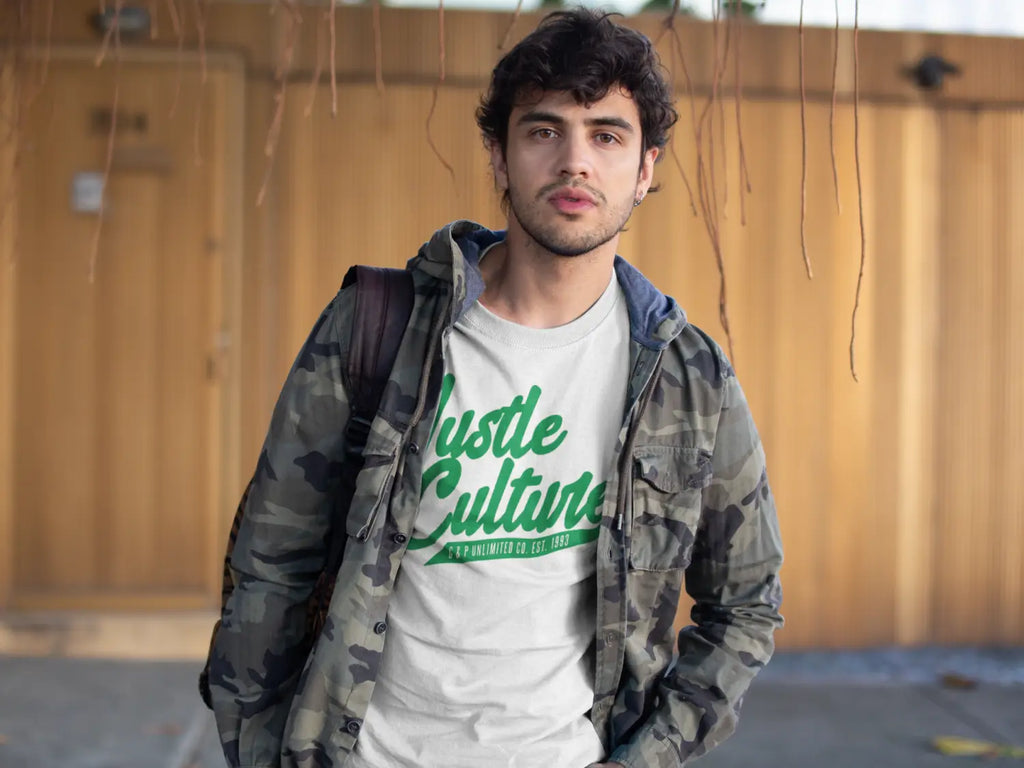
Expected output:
(518, 499)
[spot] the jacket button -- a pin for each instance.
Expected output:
(352, 726)
(414, 448)
(399, 538)
(380, 627)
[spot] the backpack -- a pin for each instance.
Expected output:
(384, 299)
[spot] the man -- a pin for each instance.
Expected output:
(556, 452)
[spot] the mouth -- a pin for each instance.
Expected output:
(571, 200)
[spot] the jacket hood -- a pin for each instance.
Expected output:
(452, 255)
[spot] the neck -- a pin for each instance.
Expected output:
(529, 285)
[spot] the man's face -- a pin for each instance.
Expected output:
(572, 172)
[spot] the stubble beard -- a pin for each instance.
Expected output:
(555, 236)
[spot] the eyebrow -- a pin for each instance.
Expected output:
(539, 116)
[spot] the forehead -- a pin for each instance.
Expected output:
(617, 103)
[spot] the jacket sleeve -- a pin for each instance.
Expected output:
(733, 580)
(259, 650)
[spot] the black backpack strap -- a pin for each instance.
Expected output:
(384, 301)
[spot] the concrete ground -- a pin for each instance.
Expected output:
(827, 710)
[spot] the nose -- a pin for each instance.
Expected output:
(575, 159)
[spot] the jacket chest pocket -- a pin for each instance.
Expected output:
(667, 491)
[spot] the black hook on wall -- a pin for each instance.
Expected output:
(930, 72)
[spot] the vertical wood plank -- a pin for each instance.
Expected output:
(229, 190)
(918, 309)
(128, 314)
(1008, 396)
(963, 554)
(55, 392)
(8, 296)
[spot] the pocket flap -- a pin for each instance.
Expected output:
(673, 469)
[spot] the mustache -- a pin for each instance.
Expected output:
(549, 188)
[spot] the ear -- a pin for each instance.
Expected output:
(498, 165)
(646, 177)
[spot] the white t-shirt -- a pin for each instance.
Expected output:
(486, 661)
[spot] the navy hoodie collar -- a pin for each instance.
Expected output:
(453, 255)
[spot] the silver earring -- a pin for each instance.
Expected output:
(638, 201)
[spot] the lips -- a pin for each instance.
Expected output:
(571, 200)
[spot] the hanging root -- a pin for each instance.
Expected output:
(281, 73)
(378, 53)
(707, 197)
(511, 25)
(832, 114)
(744, 173)
(179, 32)
(803, 145)
(430, 139)
(722, 140)
(23, 34)
(860, 190)
(437, 88)
(686, 181)
(676, 46)
(201, 33)
(334, 67)
(49, 38)
(95, 250)
(314, 83)
(101, 55)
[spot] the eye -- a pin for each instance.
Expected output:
(543, 133)
(607, 138)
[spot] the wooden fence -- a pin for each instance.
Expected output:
(896, 494)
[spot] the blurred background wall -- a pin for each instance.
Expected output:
(139, 365)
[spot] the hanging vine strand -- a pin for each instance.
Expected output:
(511, 26)
(705, 176)
(378, 52)
(803, 149)
(318, 67)
(200, 6)
(101, 54)
(722, 139)
(707, 120)
(682, 173)
(333, 64)
(832, 114)
(46, 43)
(179, 32)
(744, 173)
(437, 88)
(197, 149)
(293, 20)
(860, 188)
(115, 28)
(673, 41)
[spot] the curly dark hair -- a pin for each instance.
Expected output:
(584, 52)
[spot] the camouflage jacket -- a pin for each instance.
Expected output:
(691, 503)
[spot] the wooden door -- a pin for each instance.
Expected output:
(120, 348)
